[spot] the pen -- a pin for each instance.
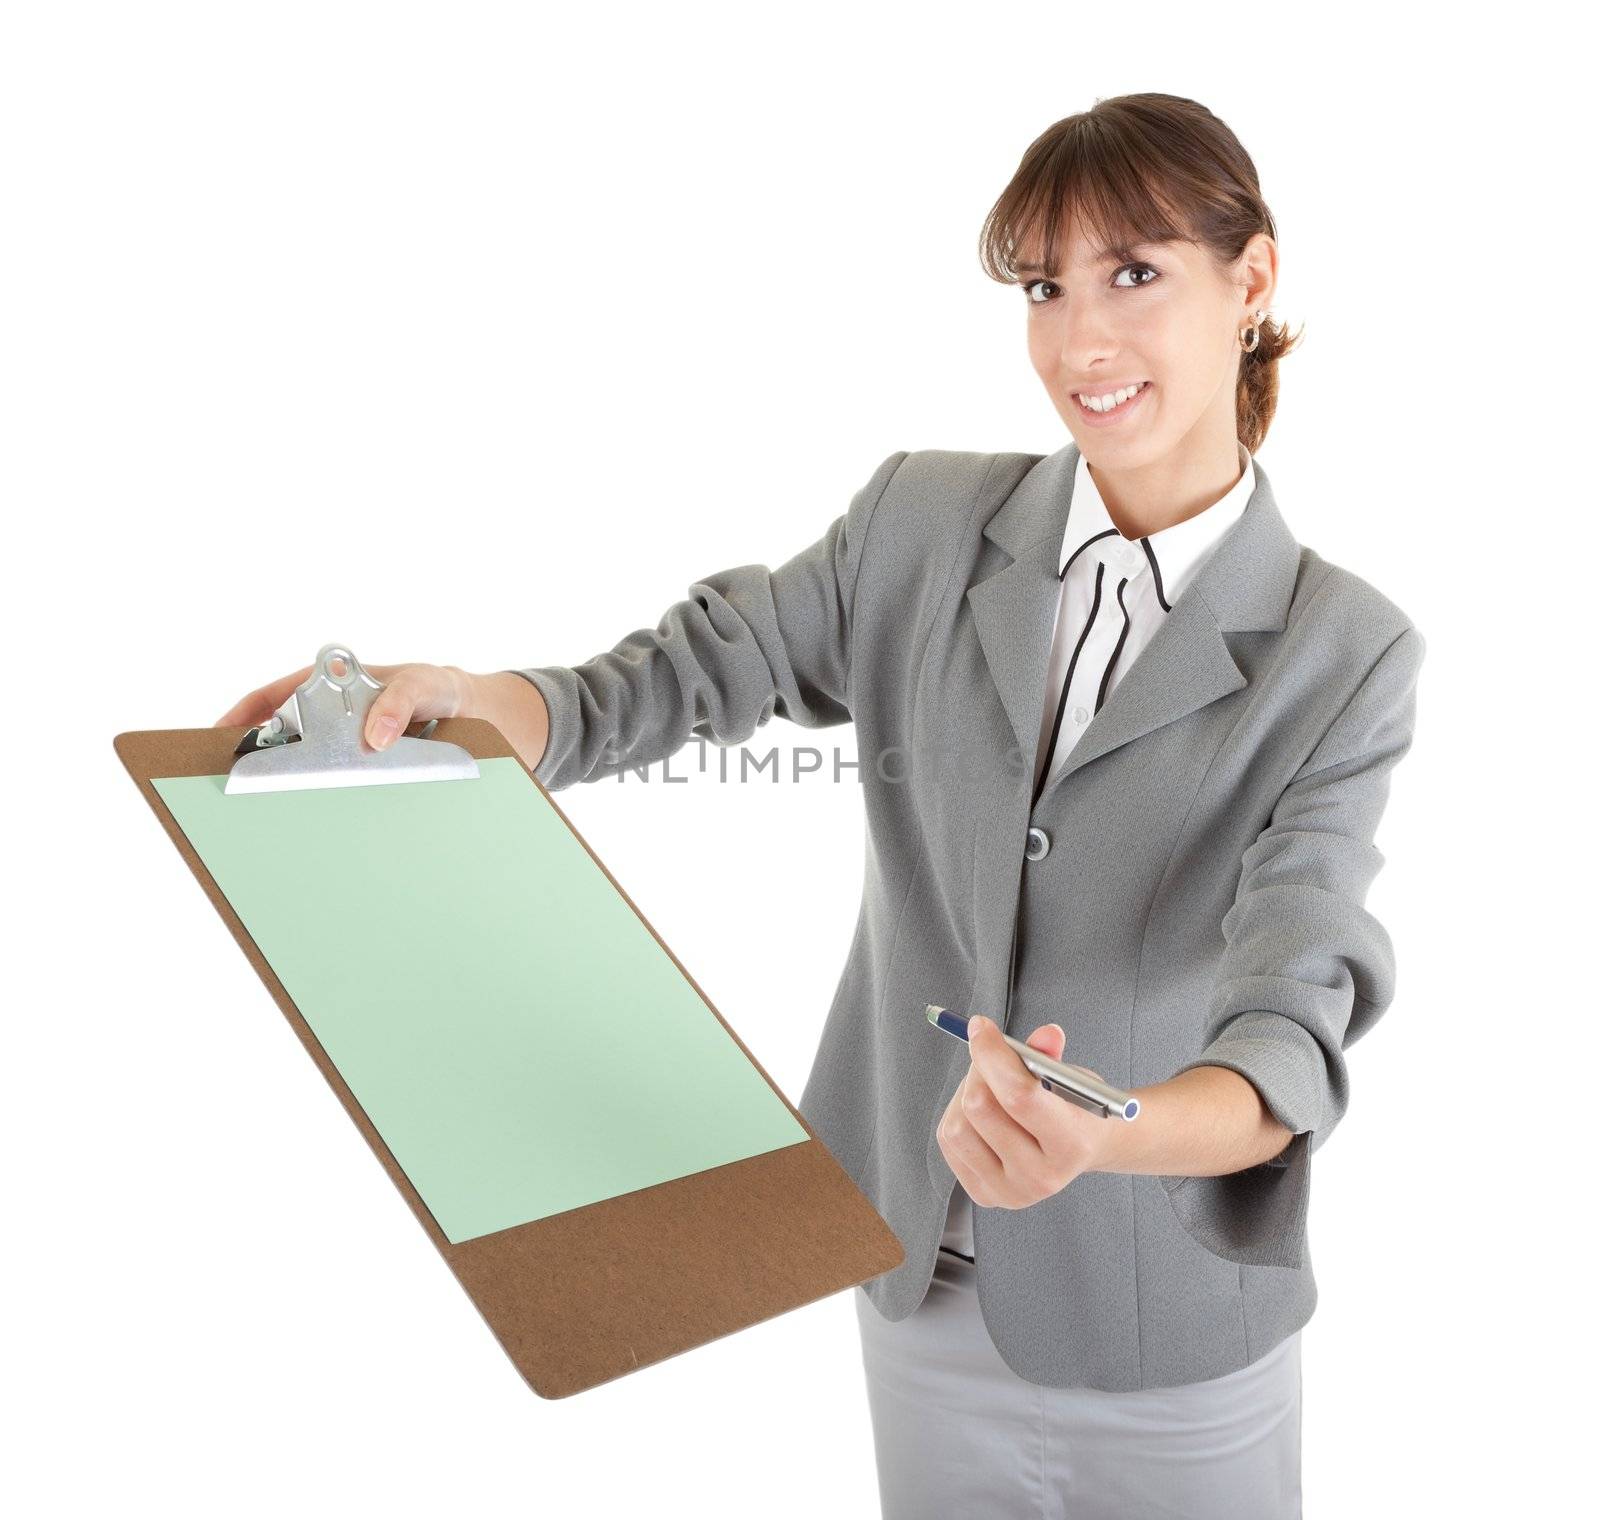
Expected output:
(1070, 1082)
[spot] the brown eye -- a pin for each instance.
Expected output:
(1154, 274)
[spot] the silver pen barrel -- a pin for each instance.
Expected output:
(1073, 1083)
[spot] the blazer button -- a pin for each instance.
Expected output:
(1038, 844)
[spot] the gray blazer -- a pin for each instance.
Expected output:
(1200, 901)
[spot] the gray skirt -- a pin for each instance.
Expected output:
(959, 1434)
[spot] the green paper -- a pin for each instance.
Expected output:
(512, 1029)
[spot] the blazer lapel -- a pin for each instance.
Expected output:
(1245, 585)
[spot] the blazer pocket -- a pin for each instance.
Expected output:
(1178, 1250)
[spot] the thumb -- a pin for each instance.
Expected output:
(1048, 1039)
(389, 714)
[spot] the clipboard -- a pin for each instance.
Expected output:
(588, 1293)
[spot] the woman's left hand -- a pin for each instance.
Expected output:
(1009, 1141)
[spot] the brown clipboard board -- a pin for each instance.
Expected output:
(579, 1298)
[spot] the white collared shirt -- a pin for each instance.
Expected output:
(1115, 593)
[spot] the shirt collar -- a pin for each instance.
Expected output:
(1174, 555)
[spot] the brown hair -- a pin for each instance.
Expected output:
(1144, 169)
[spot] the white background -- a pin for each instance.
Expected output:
(473, 334)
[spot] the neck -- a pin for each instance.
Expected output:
(1169, 490)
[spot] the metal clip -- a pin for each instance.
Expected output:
(314, 739)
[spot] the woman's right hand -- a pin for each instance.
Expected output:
(411, 694)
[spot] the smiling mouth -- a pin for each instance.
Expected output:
(1114, 413)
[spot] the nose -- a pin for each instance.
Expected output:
(1087, 347)
(1088, 340)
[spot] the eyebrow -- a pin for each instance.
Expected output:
(1122, 253)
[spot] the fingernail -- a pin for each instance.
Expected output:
(387, 728)
(974, 1024)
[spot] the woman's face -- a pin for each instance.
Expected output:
(1159, 316)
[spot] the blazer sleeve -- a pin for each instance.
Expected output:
(1307, 970)
(746, 643)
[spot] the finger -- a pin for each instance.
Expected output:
(1049, 1040)
(977, 1188)
(981, 1172)
(391, 711)
(1019, 1092)
(263, 702)
(1015, 1146)
(968, 1153)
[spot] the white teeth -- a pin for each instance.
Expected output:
(1111, 399)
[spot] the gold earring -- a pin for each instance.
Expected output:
(1248, 344)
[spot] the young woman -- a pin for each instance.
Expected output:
(1125, 744)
